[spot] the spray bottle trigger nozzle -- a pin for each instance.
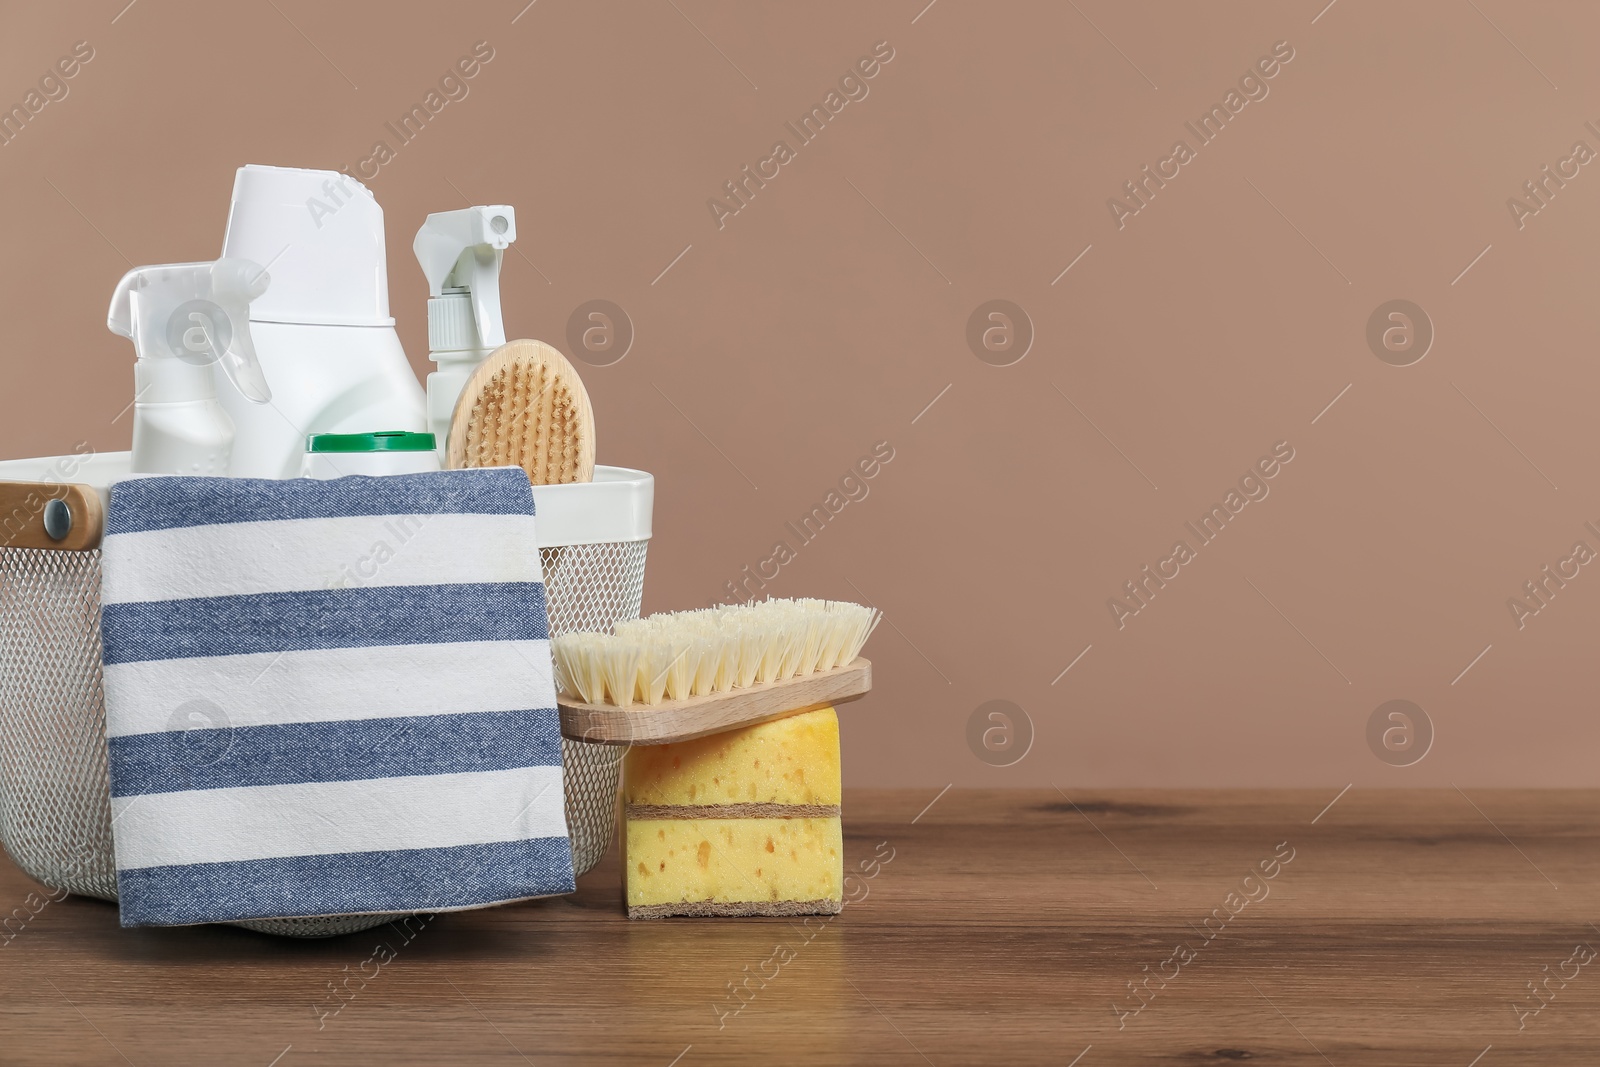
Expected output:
(234, 284)
(195, 312)
(460, 253)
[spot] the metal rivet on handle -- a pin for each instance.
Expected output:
(57, 520)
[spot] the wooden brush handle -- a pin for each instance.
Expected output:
(30, 512)
(685, 720)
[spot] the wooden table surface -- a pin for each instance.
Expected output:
(986, 927)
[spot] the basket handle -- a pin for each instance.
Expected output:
(67, 517)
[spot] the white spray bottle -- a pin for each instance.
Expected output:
(182, 319)
(460, 253)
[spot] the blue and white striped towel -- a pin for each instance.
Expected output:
(329, 697)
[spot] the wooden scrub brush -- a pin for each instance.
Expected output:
(731, 796)
(681, 675)
(525, 406)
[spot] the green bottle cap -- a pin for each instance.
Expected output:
(386, 441)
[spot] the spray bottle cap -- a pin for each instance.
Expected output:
(198, 313)
(460, 253)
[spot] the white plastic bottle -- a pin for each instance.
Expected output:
(184, 318)
(323, 332)
(335, 455)
(460, 253)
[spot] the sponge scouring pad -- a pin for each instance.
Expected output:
(739, 823)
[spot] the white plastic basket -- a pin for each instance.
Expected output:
(55, 796)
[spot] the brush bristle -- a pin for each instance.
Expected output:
(674, 655)
(525, 406)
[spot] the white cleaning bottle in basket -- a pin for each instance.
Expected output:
(324, 332)
(183, 318)
(460, 253)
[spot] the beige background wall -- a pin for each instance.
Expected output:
(824, 317)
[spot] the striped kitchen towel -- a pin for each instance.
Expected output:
(329, 697)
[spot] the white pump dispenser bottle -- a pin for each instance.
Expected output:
(183, 318)
(460, 253)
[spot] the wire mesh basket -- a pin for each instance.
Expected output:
(55, 793)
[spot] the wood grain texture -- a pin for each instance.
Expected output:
(685, 720)
(988, 927)
(22, 507)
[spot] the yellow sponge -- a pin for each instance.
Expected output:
(790, 761)
(739, 823)
(733, 866)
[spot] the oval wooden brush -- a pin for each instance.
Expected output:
(525, 406)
